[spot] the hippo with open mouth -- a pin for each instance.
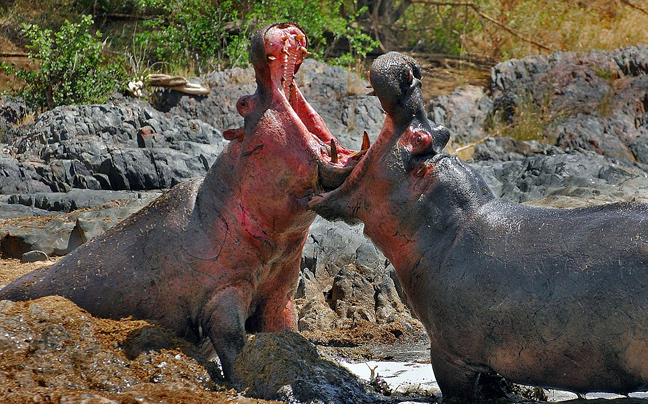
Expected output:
(218, 256)
(543, 297)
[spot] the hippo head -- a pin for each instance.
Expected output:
(284, 141)
(405, 167)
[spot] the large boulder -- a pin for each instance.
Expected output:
(584, 102)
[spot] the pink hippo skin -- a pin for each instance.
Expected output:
(218, 256)
(543, 297)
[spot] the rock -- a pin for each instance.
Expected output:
(285, 366)
(33, 256)
(8, 211)
(116, 146)
(69, 201)
(338, 95)
(559, 179)
(464, 113)
(594, 101)
(344, 277)
(61, 233)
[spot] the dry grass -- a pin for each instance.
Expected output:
(559, 25)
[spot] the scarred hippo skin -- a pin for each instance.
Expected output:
(543, 297)
(215, 257)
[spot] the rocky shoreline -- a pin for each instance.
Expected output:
(77, 170)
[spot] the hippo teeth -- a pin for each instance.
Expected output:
(334, 152)
(366, 143)
(291, 53)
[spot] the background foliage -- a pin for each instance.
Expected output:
(72, 67)
(195, 36)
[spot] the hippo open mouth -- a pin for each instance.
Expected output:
(284, 48)
(408, 145)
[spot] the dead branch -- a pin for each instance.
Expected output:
(177, 83)
(487, 18)
(628, 3)
(13, 55)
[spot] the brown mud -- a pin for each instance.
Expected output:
(51, 351)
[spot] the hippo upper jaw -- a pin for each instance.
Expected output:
(277, 53)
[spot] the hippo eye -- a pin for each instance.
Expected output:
(243, 103)
(417, 71)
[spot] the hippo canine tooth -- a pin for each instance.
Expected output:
(366, 143)
(334, 153)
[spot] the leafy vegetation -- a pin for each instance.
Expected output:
(71, 67)
(209, 35)
(195, 36)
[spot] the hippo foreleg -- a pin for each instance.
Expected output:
(463, 383)
(224, 324)
(279, 316)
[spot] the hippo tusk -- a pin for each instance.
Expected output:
(366, 143)
(334, 152)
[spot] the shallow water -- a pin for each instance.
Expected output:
(418, 376)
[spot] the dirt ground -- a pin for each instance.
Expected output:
(51, 351)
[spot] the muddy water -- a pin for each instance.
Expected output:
(410, 371)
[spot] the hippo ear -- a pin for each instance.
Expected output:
(231, 134)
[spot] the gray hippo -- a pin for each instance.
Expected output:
(543, 297)
(218, 256)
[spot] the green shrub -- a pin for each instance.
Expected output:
(203, 35)
(71, 68)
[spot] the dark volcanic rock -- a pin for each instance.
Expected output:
(70, 201)
(344, 277)
(528, 172)
(595, 101)
(59, 234)
(464, 113)
(114, 146)
(337, 95)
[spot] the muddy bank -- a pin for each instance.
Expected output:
(51, 351)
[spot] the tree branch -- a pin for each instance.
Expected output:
(488, 18)
(627, 3)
